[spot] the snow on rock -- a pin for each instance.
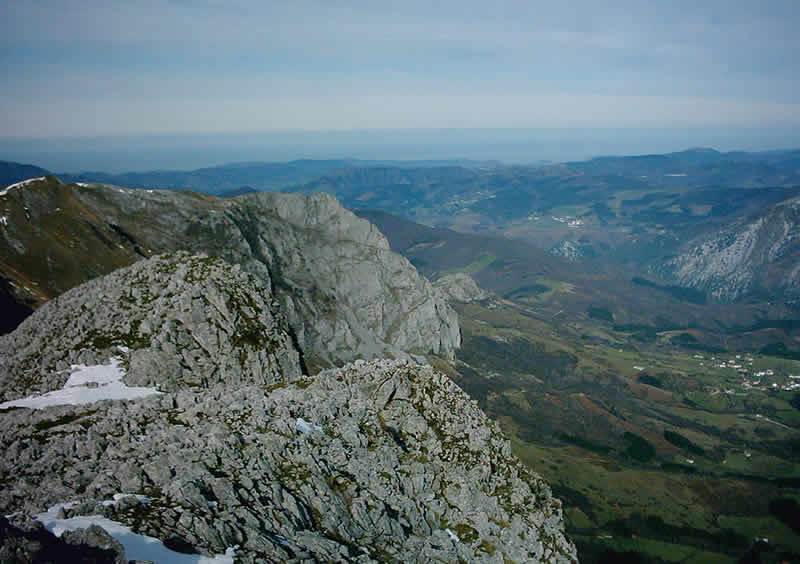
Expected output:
(137, 547)
(143, 499)
(305, 427)
(86, 384)
(20, 185)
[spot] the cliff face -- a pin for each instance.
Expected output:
(337, 271)
(170, 403)
(345, 294)
(759, 254)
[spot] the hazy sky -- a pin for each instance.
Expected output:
(98, 67)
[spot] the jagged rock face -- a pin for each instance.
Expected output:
(760, 253)
(346, 295)
(345, 279)
(461, 287)
(375, 461)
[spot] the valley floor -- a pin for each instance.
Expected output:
(659, 453)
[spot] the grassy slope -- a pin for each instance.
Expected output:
(568, 406)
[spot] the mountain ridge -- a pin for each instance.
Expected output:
(755, 255)
(308, 249)
(238, 452)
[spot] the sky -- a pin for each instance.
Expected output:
(116, 68)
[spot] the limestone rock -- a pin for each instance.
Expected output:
(345, 293)
(377, 461)
(757, 254)
(183, 322)
(25, 541)
(461, 287)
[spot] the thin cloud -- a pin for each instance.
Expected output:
(223, 66)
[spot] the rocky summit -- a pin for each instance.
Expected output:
(345, 294)
(165, 405)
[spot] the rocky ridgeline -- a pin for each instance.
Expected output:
(375, 461)
(345, 294)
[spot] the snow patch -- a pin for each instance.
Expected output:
(452, 535)
(143, 499)
(4, 220)
(20, 185)
(137, 547)
(87, 384)
(305, 427)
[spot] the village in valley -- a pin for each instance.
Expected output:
(751, 378)
(748, 375)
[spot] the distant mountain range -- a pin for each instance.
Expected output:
(644, 211)
(227, 180)
(702, 166)
(257, 175)
(16, 172)
(699, 166)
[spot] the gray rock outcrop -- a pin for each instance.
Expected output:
(189, 322)
(461, 287)
(381, 461)
(758, 253)
(345, 293)
(25, 541)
